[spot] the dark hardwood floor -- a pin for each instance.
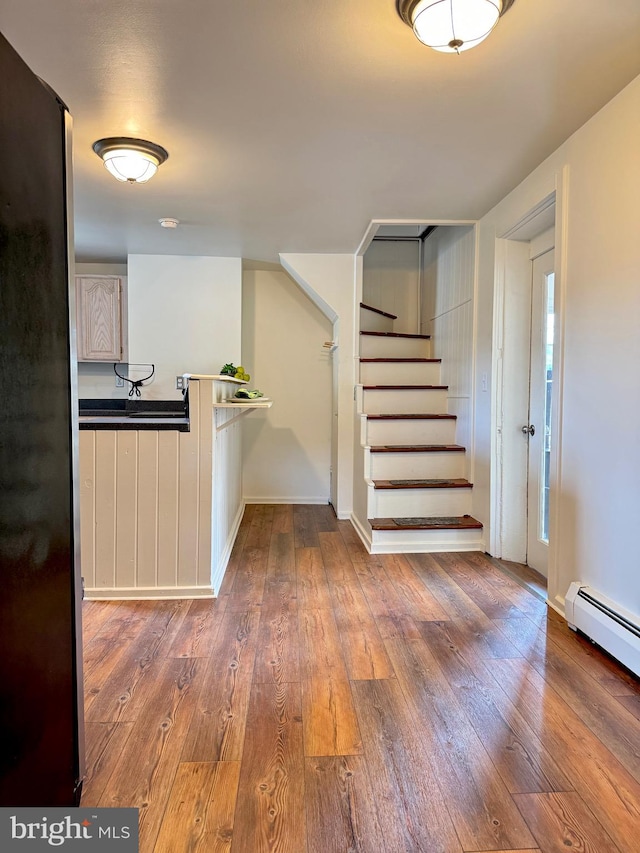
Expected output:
(332, 702)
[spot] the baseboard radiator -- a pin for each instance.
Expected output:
(605, 622)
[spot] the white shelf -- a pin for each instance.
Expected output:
(218, 377)
(248, 405)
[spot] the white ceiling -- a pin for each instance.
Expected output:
(291, 124)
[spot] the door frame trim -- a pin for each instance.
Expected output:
(504, 486)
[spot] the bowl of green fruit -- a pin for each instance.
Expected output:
(234, 372)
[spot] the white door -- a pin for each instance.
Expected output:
(538, 429)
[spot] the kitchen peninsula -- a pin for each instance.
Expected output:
(161, 497)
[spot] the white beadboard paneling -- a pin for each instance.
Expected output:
(453, 343)
(126, 507)
(205, 473)
(168, 510)
(105, 512)
(87, 466)
(227, 490)
(188, 492)
(448, 281)
(160, 509)
(461, 406)
(147, 556)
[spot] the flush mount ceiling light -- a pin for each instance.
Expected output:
(452, 26)
(131, 160)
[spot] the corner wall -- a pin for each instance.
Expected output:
(598, 493)
(287, 449)
(184, 317)
(329, 280)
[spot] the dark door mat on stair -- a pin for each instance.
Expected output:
(464, 522)
(432, 482)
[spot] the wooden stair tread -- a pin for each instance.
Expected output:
(432, 483)
(397, 335)
(417, 448)
(405, 387)
(401, 360)
(379, 311)
(464, 522)
(425, 417)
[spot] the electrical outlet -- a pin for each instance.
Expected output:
(180, 383)
(119, 382)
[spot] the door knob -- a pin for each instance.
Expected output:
(529, 429)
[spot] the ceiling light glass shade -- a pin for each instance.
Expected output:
(452, 26)
(132, 160)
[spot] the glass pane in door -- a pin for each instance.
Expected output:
(546, 444)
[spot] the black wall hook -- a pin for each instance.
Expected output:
(136, 384)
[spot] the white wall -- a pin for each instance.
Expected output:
(330, 281)
(184, 317)
(96, 380)
(391, 281)
(286, 449)
(447, 315)
(594, 528)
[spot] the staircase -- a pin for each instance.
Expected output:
(417, 496)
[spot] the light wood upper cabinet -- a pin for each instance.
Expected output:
(100, 314)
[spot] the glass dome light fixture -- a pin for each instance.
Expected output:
(451, 26)
(132, 160)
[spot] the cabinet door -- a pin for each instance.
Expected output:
(99, 318)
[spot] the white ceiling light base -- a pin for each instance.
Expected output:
(132, 160)
(451, 26)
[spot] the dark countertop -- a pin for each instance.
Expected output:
(134, 414)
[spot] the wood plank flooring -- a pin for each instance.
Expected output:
(330, 701)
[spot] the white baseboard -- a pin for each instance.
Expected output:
(363, 533)
(266, 500)
(558, 605)
(223, 562)
(149, 592)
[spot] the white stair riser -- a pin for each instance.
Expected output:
(376, 346)
(425, 541)
(411, 466)
(390, 373)
(417, 402)
(370, 321)
(409, 503)
(410, 432)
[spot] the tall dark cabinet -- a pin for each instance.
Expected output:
(40, 672)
